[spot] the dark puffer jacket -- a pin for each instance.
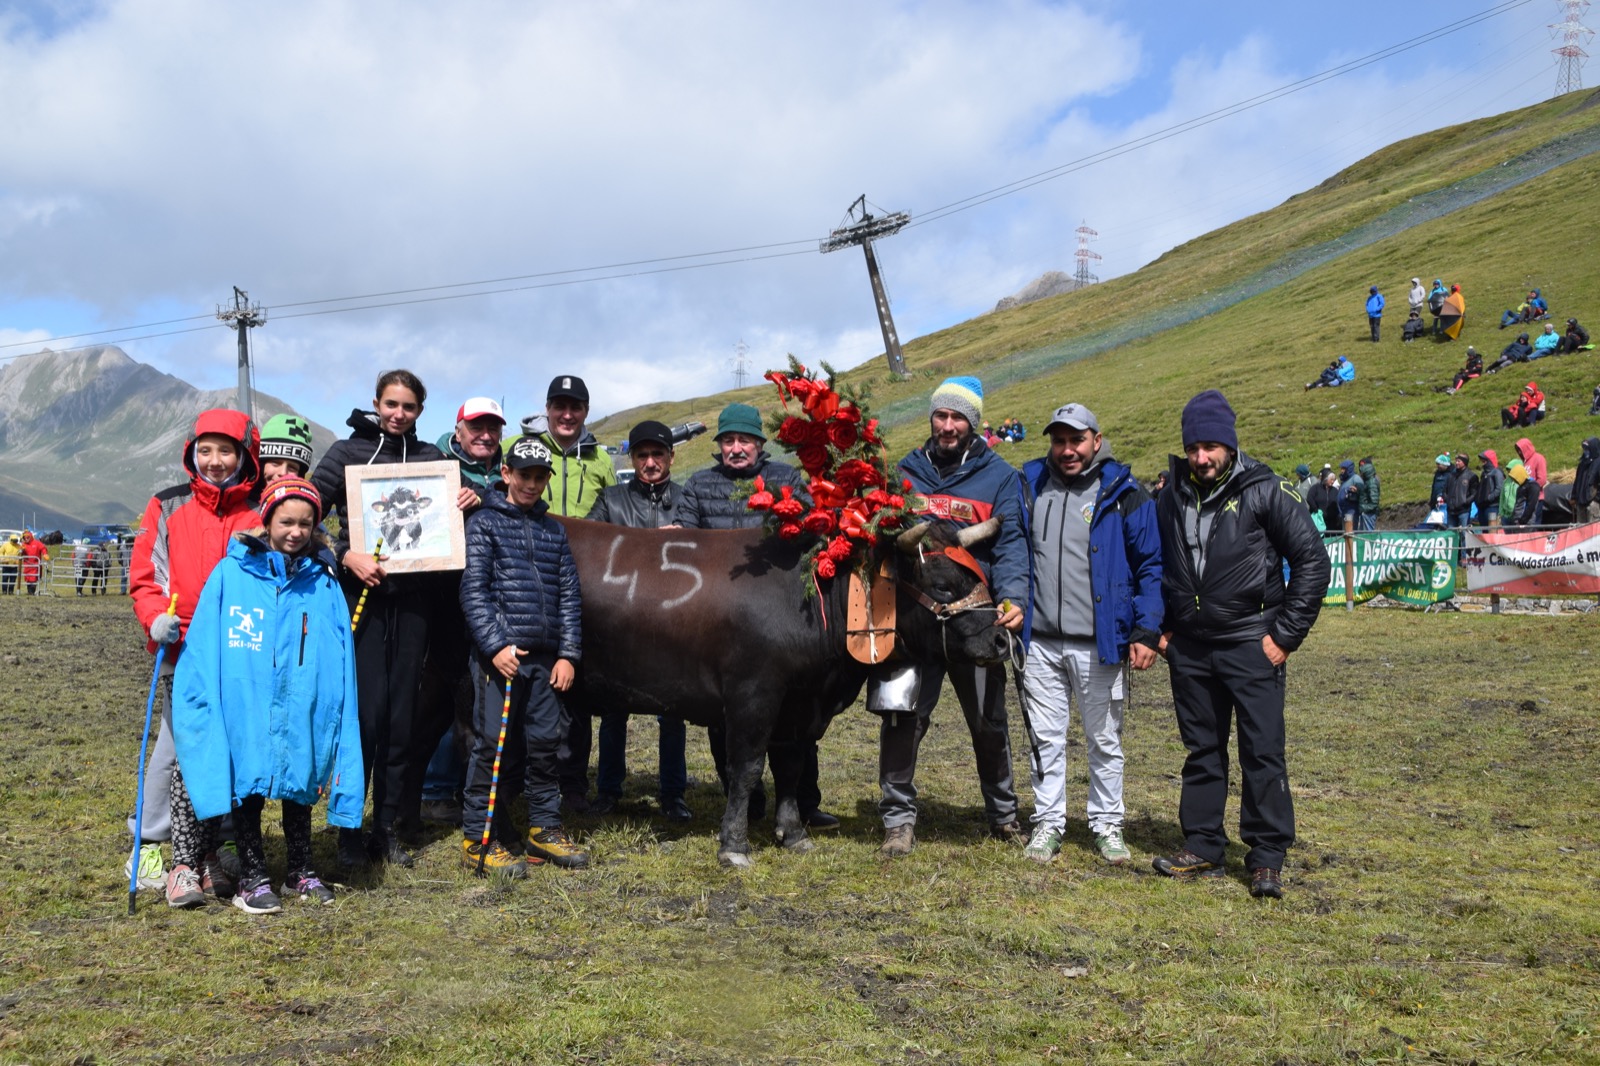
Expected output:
(1257, 521)
(709, 493)
(1586, 482)
(520, 585)
(641, 506)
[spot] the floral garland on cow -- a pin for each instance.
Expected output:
(837, 444)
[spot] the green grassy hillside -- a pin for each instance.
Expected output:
(1257, 308)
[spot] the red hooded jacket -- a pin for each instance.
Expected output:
(186, 529)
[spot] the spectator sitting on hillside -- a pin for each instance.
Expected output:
(1339, 372)
(1536, 304)
(1575, 339)
(1523, 313)
(1527, 409)
(1019, 432)
(1546, 343)
(1518, 351)
(1472, 369)
(1414, 328)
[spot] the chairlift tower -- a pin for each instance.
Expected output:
(1082, 278)
(863, 229)
(244, 316)
(740, 363)
(1574, 35)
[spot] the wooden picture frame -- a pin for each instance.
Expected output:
(412, 506)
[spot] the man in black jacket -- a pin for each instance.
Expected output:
(1228, 524)
(1586, 482)
(1461, 493)
(650, 500)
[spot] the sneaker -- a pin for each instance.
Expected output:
(1185, 865)
(152, 867)
(1008, 831)
(898, 840)
(676, 810)
(497, 861)
(1266, 883)
(308, 886)
(553, 845)
(183, 887)
(1112, 849)
(228, 855)
(258, 900)
(352, 849)
(1045, 844)
(215, 880)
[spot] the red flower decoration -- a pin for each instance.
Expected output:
(819, 522)
(839, 548)
(760, 499)
(825, 566)
(788, 507)
(789, 530)
(843, 435)
(813, 457)
(794, 431)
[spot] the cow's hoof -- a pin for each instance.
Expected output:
(735, 859)
(801, 843)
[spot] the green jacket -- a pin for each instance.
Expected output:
(474, 475)
(577, 476)
(1367, 500)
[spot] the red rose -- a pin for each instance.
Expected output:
(847, 412)
(857, 473)
(869, 432)
(842, 435)
(819, 522)
(825, 567)
(813, 457)
(793, 431)
(840, 548)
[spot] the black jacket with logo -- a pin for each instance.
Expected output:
(1227, 584)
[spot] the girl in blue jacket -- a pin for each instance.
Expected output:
(264, 698)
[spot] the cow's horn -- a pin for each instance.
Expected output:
(979, 533)
(908, 541)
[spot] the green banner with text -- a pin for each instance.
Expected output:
(1413, 567)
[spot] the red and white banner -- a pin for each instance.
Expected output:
(1559, 562)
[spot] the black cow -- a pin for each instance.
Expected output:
(400, 518)
(725, 627)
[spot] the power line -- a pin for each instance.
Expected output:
(576, 276)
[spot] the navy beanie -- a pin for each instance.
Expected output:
(1208, 418)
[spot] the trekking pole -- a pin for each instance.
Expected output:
(361, 603)
(494, 778)
(138, 799)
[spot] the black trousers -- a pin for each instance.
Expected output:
(1374, 322)
(390, 645)
(1210, 682)
(528, 762)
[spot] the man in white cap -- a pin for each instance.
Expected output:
(1096, 605)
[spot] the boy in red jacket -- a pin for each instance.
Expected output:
(184, 534)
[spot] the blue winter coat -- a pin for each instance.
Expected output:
(264, 698)
(983, 485)
(1375, 305)
(520, 585)
(1124, 559)
(1347, 371)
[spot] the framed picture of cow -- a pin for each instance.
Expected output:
(412, 506)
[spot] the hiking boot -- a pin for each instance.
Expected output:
(385, 847)
(308, 886)
(497, 861)
(605, 803)
(152, 867)
(820, 820)
(183, 887)
(898, 840)
(1010, 832)
(1185, 865)
(1111, 847)
(1045, 844)
(443, 812)
(676, 810)
(352, 849)
(227, 854)
(554, 846)
(576, 802)
(1266, 883)
(259, 899)
(214, 877)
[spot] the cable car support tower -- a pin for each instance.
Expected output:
(863, 230)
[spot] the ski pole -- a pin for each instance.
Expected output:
(138, 799)
(361, 604)
(494, 778)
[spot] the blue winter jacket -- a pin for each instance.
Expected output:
(982, 486)
(1347, 371)
(1124, 559)
(1375, 305)
(264, 698)
(520, 585)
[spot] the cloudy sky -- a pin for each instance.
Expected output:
(155, 153)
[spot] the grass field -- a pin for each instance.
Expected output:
(1441, 903)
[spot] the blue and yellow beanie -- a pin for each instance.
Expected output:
(961, 395)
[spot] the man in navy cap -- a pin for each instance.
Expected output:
(1227, 525)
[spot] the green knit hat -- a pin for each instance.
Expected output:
(741, 418)
(287, 437)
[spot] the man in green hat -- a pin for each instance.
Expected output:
(714, 498)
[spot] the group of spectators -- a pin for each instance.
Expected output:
(1352, 492)
(1511, 495)
(22, 558)
(1010, 431)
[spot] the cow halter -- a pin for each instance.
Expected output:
(978, 599)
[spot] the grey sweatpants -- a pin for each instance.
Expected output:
(156, 828)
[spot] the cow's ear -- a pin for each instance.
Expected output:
(380, 506)
(424, 501)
